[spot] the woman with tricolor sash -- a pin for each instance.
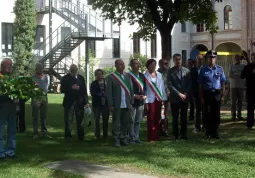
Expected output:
(155, 94)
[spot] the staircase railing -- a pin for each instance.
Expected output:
(82, 15)
(58, 37)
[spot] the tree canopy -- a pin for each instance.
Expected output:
(161, 15)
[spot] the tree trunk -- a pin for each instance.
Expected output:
(166, 44)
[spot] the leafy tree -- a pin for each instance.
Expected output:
(108, 70)
(24, 36)
(161, 15)
(142, 58)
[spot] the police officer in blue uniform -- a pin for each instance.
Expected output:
(212, 88)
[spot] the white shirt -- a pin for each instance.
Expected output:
(123, 103)
(160, 84)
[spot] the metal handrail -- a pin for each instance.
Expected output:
(80, 10)
(56, 38)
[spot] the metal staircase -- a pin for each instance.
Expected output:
(81, 23)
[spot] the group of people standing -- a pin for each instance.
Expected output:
(130, 96)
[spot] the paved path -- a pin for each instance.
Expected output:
(92, 170)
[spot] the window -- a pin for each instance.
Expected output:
(227, 17)
(154, 46)
(136, 43)
(92, 47)
(39, 39)
(116, 47)
(184, 57)
(183, 27)
(200, 28)
(7, 39)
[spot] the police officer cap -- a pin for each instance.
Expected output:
(211, 53)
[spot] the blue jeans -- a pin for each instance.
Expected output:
(8, 116)
(134, 125)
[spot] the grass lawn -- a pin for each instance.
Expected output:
(233, 157)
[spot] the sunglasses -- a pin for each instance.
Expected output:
(212, 56)
(166, 63)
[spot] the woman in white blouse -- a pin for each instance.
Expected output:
(155, 94)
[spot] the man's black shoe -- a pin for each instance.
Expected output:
(3, 159)
(233, 118)
(207, 136)
(124, 143)
(117, 144)
(175, 138)
(240, 118)
(191, 118)
(184, 138)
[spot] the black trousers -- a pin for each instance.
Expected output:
(98, 110)
(191, 109)
(180, 108)
(21, 123)
(212, 103)
(69, 113)
(250, 108)
(200, 121)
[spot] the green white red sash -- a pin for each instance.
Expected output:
(123, 83)
(155, 89)
(137, 80)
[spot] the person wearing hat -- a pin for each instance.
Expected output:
(212, 88)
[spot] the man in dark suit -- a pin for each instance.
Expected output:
(76, 97)
(179, 84)
(195, 92)
(191, 64)
(120, 97)
(139, 86)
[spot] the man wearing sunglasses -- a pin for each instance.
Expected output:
(163, 69)
(212, 88)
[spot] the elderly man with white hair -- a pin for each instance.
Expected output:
(7, 116)
(76, 98)
(40, 105)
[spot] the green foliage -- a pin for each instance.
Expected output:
(93, 62)
(142, 58)
(108, 70)
(24, 36)
(20, 88)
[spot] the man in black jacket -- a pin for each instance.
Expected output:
(249, 74)
(139, 88)
(195, 92)
(99, 103)
(76, 97)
